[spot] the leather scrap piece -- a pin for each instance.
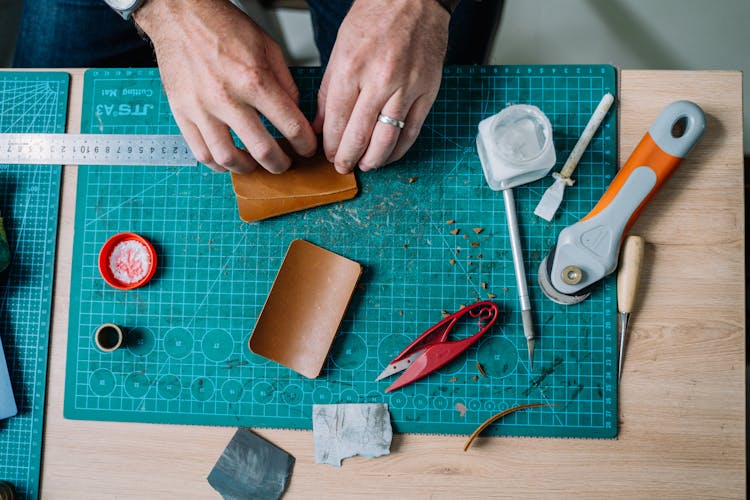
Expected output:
(309, 182)
(345, 430)
(305, 307)
(251, 468)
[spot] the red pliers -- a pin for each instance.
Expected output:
(430, 351)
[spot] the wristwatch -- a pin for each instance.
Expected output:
(125, 7)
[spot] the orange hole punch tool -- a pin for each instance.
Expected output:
(431, 351)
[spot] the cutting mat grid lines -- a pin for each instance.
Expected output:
(187, 359)
(29, 201)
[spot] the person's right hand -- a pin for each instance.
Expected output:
(220, 70)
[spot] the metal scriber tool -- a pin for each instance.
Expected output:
(515, 147)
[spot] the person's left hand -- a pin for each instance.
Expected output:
(388, 58)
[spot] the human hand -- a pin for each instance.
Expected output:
(388, 58)
(220, 70)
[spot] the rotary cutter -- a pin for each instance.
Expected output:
(587, 251)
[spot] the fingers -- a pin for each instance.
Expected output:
(209, 137)
(223, 152)
(197, 144)
(358, 132)
(384, 137)
(413, 124)
(284, 114)
(258, 142)
(339, 104)
(212, 144)
(281, 71)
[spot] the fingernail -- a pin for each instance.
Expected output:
(310, 153)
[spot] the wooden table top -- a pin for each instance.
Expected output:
(682, 397)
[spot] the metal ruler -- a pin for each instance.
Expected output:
(95, 149)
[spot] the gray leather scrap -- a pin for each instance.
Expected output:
(251, 468)
(344, 430)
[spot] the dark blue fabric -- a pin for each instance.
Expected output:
(87, 33)
(77, 33)
(472, 28)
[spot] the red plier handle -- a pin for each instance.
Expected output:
(437, 350)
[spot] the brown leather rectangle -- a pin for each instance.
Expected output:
(305, 307)
(309, 182)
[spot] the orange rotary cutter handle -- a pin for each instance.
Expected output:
(588, 250)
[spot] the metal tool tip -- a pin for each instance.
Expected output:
(530, 346)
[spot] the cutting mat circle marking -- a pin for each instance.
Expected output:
(349, 396)
(136, 385)
(178, 343)
(421, 402)
(322, 396)
(102, 382)
(263, 392)
(202, 389)
(292, 395)
(474, 404)
(374, 397)
(231, 391)
(217, 345)
(489, 405)
(440, 403)
(390, 347)
(169, 386)
(349, 351)
(140, 341)
(498, 356)
(398, 400)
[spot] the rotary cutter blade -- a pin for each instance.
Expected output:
(550, 291)
(588, 250)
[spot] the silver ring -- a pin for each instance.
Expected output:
(390, 121)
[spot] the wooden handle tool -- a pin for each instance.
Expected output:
(631, 261)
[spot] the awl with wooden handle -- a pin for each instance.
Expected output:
(631, 260)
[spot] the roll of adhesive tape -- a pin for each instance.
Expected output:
(108, 337)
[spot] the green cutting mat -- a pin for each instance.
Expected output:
(187, 359)
(29, 199)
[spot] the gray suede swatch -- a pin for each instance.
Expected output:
(251, 468)
(344, 430)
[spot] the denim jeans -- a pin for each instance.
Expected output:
(472, 28)
(77, 34)
(87, 33)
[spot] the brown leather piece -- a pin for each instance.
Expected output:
(305, 307)
(309, 182)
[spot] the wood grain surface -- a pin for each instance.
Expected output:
(682, 410)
